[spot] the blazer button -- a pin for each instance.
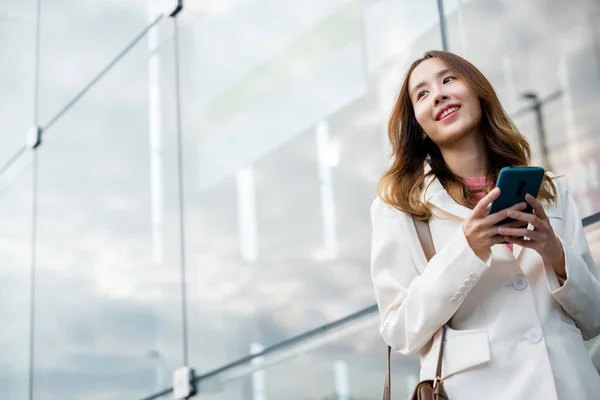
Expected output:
(534, 335)
(467, 283)
(520, 282)
(472, 277)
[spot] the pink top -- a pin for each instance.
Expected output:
(476, 185)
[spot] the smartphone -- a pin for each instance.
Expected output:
(514, 184)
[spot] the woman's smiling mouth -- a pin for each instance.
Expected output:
(446, 111)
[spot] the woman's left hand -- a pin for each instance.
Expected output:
(541, 238)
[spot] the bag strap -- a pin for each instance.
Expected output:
(387, 387)
(426, 241)
(424, 234)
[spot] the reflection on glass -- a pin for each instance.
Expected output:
(108, 296)
(347, 364)
(16, 205)
(247, 214)
(78, 40)
(284, 150)
(328, 156)
(17, 74)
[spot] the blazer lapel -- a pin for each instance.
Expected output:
(517, 250)
(436, 195)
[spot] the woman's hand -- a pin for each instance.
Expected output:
(480, 229)
(541, 238)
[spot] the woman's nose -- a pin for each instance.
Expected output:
(439, 98)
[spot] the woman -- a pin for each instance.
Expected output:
(517, 310)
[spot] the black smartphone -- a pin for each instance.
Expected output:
(514, 184)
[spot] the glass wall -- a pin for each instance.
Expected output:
(78, 39)
(16, 205)
(17, 75)
(202, 189)
(107, 301)
(285, 144)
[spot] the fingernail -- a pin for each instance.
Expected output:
(501, 231)
(512, 213)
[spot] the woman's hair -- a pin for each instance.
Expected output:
(401, 185)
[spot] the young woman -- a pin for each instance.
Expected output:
(517, 310)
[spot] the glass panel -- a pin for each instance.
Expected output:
(17, 72)
(108, 294)
(548, 56)
(593, 236)
(16, 198)
(347, 364)
(78, 39)
(285, 143)
(350, 368)
(396, 29)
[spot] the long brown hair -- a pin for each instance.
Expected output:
(401, 185)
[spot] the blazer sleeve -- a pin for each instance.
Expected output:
(413, 305)
(579, 294)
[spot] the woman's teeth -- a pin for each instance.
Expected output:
(448, 111)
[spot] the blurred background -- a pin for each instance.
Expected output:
(202, 185)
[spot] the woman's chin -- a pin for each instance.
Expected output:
(451, 137)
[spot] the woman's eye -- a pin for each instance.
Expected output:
(448, 79)
(421, 94)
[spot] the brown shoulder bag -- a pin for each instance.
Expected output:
(428, 389)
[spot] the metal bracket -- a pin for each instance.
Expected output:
(33, 137)
(177, 9)
(184, 383)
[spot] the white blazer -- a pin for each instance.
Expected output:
(514, 332)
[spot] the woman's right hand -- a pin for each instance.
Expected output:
(480, 228)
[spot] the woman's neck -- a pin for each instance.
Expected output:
(467, 158)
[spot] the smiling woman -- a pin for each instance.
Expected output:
(507, 315)
(423, 125)
(435, 75)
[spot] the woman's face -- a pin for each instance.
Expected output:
(445, 107)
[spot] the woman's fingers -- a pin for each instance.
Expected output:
(520, 242)
(501, 215)
(525, 217)
(515, 224)
(537, 206)
(480, 210)
(519, 232)
(494, 237)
